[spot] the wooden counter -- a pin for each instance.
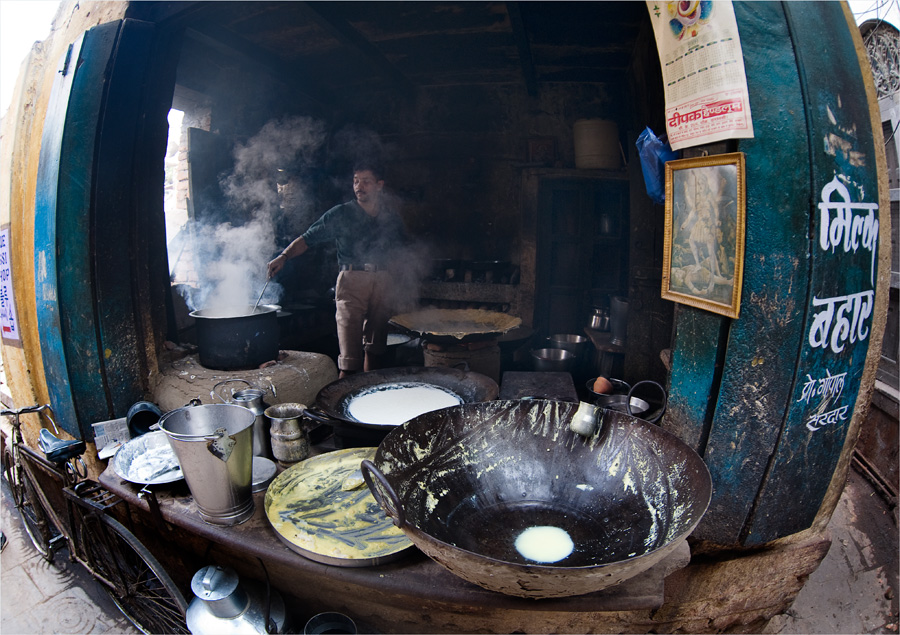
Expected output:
(413, 594)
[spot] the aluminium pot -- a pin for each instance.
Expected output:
(466, 483)
(238, 338)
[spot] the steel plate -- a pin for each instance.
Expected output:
(131, 460)
(314, 511)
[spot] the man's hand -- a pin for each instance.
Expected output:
(276, 265)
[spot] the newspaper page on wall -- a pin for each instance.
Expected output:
(703, 71)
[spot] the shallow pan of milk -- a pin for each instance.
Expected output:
(396, 403)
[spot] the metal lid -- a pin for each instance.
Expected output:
(263, 473)
(214, 583)
(220, 588)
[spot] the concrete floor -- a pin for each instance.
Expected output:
(854, 590)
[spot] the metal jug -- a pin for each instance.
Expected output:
(223, 605)
(289, 433)
(252, 399)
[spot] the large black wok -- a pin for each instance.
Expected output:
(464, 482)
(333, 400)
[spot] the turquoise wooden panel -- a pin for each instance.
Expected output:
(113, 225)
(696, 370)
(838, 306)
(84, 228)
(73, 218)
(760, 348)
(45, 255)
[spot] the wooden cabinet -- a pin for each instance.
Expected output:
(582, 248)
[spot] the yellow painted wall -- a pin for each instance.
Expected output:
(20, 146)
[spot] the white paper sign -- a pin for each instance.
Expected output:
(703, 72)
(9, 322)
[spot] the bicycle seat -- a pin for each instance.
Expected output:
(58, 450)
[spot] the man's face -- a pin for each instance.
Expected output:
(366, 186)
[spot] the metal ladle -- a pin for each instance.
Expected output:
(260, 296)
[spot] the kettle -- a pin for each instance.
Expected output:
(223, 605)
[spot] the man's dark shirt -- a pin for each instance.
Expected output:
(359, 238)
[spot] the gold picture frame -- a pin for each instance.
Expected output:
(703, 248)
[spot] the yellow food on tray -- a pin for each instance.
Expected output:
(321, 509)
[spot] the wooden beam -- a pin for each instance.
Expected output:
(230, 43)
(330, 20)
(524, 47)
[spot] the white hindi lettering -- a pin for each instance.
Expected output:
(848, 313)
(852, 225)
(830, 386)
(820, 420)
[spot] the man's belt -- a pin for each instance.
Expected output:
(366, 267)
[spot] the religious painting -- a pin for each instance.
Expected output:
(703, 252)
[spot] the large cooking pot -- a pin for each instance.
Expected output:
(334, 400)
(237, 338)
(465, 483)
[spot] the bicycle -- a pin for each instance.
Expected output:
(79, 518)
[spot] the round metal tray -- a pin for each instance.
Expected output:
(322, 509)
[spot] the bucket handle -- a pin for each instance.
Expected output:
(665, 400)
(190, 438)
(220, 444)
(382, 489)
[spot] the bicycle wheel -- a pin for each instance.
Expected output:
(134, 579)
(39, 528)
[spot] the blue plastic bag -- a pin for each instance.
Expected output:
(653, 154)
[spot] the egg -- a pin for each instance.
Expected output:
(603, 386)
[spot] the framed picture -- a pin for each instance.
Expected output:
(703, 251)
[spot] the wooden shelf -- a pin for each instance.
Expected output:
(470, 292)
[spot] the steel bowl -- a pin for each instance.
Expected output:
(553, 360)
(569, 342)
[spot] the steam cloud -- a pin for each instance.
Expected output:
(230, 260)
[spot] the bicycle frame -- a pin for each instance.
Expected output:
(135, 580)
(69, 487)
(40, 470)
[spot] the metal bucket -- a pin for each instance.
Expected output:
(214, 445)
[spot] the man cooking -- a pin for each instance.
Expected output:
(365, 232)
